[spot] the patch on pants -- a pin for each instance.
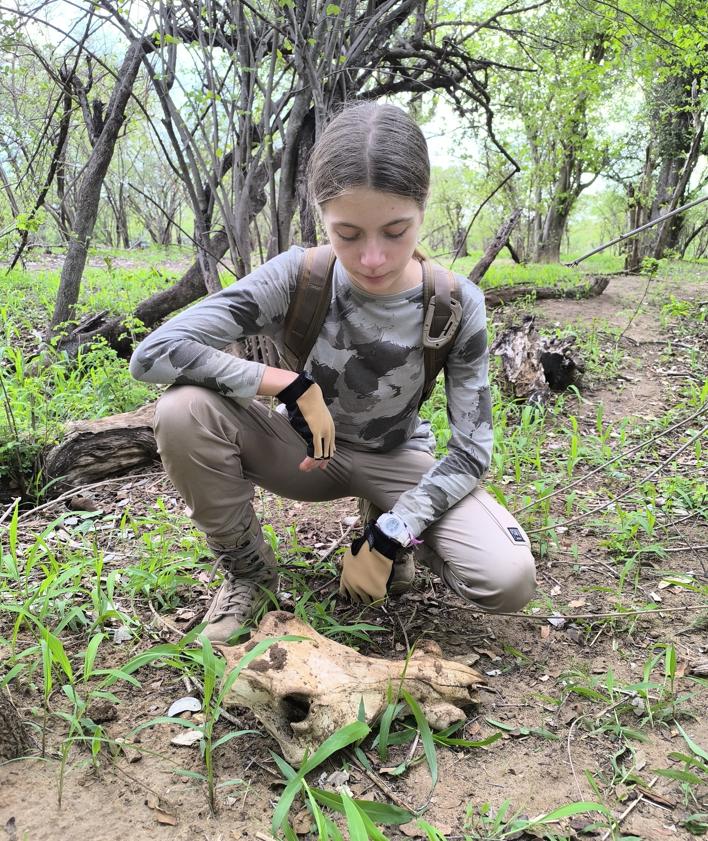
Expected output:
(516, 534)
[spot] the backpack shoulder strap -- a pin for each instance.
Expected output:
(442, 310)
(308, 306)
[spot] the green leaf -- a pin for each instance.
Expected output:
(681, 776)
(383, 813)
(391, 711)
(500, 724)
(345, 736)
(466, 743)
(90, 656)
(569, 810)
(229, 736)
(333, 9)
(696, 824)
(692, 745)
(355, 825)
(193, 775)
(58, 654)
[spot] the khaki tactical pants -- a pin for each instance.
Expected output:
(215, 450)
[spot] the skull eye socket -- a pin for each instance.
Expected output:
(296, 706)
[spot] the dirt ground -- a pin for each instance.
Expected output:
(540, 762)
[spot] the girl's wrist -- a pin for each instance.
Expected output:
(274, 380)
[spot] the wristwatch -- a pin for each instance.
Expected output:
(394, 527)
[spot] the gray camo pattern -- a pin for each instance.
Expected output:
(368, 361)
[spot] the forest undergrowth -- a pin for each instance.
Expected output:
(592, 723)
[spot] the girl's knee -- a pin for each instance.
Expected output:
(178, 412)
(507, 585)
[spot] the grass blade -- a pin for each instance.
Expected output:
(426, 735)
(355, 825)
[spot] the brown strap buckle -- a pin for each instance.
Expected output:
(449, 328)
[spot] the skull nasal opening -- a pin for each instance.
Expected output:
(296, 706)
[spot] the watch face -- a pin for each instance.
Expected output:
(390, 525)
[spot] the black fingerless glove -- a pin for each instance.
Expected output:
(309, 416)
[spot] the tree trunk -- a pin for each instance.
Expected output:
(674, 148)
(90, 192)
(152, 310)
(554, 225)
(496, 245)
(14, 738)
(459, 242)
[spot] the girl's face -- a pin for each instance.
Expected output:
(374, 235)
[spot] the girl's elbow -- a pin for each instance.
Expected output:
(137, 365)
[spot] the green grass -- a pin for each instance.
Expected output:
(71, 584)
(505, 272)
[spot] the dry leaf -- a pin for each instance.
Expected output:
(545, 632)
(187, 738)
(164, 817)
(412, 830)
(577, 603)
(555, 591)
(302, 822)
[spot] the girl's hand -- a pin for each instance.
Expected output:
(308, 464)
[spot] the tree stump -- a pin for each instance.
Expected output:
(14, 738)
(303, 691)
(535, 365)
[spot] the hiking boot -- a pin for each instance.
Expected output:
(249, 571)
(404, 568)
(403, 574)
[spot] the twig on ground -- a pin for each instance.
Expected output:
(336, 543)
(164, 622)
(379, 783)
(641, 446)
(628, 490)
(81, 489)
(571, 616)
(222, 712)
(411, 752)
(636, 311)
(633, 805)
(598, 635)
(10, 508)
(570, 754)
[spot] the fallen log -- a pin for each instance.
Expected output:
(534, 365)
(506, 294)
(98, 449)
(303, 691)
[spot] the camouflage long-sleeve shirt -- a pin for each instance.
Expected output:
(368, 361)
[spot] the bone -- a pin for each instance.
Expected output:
(303, 691)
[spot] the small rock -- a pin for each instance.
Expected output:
(182, 705)
(101, 711)
(82, 502)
